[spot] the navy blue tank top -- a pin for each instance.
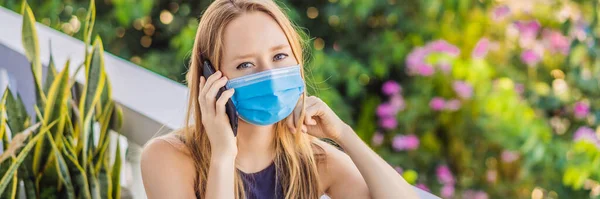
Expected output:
(263, 184)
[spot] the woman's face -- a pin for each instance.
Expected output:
(254, 42)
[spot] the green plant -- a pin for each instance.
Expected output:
(59, 157)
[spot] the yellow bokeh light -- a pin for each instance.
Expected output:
(319, 44)
(146, 41)
(334, 20)
(312, 12)
(537, 193)
(166, 17)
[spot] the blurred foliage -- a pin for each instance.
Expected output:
(502, 93)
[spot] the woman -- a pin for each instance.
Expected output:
(277, 152)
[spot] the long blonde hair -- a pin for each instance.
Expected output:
(296, 153)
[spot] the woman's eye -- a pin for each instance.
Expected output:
(244, 65)
(279, 56)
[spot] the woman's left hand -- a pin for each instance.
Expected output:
(319, 120)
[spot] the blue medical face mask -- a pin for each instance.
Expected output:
(267, 97)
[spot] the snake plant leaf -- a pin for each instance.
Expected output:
(90, 19)
(2, 118)
(29, 39)
(51, 74)
(93, 180)
(11, 190)
(95, 81)
(24, 152)
(78, 174)
(18, 119)
(103, 141)
(104, 180)
(56, 106)
(116, 173)
(62, 168)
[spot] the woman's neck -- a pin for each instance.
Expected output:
(255, 147)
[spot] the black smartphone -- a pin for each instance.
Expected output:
(229, 107)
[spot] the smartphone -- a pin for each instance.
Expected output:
(229, 107)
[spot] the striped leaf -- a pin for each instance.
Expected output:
(90, 19)
(62, 168)
(116, 173)
(104, 179)
(93, 180)
(95, 81)
(18, 119)
(24, 152)
(2, 118)
(80, 181)
(51, 74)
(32, 50)
(56, 106)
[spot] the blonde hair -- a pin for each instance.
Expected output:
(296, 153)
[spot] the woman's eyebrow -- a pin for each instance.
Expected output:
(279, 47)
(274, 48)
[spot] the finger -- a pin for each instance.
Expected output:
(304, 129)
(211, 79)
(290, 123)
(211, 94)
(220, 105)
(297, 112)
(311, 111)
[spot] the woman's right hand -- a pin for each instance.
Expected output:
(214, 118)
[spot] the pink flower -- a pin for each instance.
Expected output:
(530, 57)
(423, 187)
(397, 102)
(481, 48)
(519, 88)
(391, 87)
(581, 110)
(452, 105)
(404, 143)
(445, 67)
(500, 12)
(386, 110)
(447, 191)
(377, 139)
(509, 156)
(471, 194)
(415, 59)
(425, 70)
(388, 123)
(437, 104)
(586, 134)
(491, 176)
(442, 46)
(556, 42)
(399, 169)
(463, 89)
(528, 29)
(444, 175)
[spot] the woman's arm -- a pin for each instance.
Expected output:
(383, 180)
(220, 177)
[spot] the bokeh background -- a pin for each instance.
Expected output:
(467, 99)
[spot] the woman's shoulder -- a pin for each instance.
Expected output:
(167, 167)
(335, 167)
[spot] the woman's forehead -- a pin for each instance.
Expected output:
(252, 32)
